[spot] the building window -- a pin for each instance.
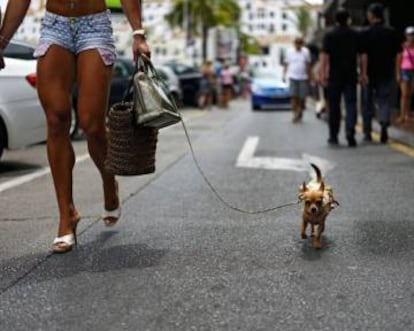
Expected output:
(284, 15)
(284, 27)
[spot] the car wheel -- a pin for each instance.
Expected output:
(2, 139)
(74, 124)
(255, 107)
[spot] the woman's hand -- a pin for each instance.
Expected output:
(140, 46)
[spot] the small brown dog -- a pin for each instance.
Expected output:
(318, 201)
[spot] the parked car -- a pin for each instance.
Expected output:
(190, 81)
(22, 121)
(269, 91)
(173, 83)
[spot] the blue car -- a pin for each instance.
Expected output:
(269, 91)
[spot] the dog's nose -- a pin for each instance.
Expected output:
(314, 210)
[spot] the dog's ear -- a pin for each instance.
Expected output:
(322, 186)
(303, 188)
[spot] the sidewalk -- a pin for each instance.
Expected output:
(403, 133)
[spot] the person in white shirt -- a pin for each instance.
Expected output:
(298, 68)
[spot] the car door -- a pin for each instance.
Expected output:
(122, 72)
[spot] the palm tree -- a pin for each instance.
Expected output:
(303, 20)
(203, 15)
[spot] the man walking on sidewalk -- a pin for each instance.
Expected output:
(298, 67)
(380, 48)
(338, 72)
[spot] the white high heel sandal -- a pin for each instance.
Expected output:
(111, 217)
(65, 243)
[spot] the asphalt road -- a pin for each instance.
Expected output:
(180, 260)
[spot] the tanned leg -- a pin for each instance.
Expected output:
(403, 102)
(294, 101)
(56, 75)
(94, 80)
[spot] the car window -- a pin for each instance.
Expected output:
(185, 70)
(181, 69)
(162, 74)
(120, 70)
(18, 51)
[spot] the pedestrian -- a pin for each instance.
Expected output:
(227, 81)
(76, 43)
(298, 68)
(381, 45)
(207, 85)
(405, 75)
(338, 73)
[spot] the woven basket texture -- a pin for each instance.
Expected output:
(131, 148)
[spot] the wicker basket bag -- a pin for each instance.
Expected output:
(131, 148)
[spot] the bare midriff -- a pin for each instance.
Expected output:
(74, 8)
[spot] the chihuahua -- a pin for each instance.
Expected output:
(318, 201)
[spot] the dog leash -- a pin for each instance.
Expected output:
(215, 191)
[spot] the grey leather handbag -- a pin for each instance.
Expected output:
(151, 102)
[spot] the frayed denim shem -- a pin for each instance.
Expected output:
(78, 34)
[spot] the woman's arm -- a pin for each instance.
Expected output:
(13, 17)
(323, 68)
(133, 9)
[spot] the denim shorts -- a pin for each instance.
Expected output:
(407, 75)
(78, 34)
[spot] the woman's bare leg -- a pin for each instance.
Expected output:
(405, 101)
(55, 82)
(94, 80)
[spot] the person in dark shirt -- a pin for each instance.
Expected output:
(381, 44)
(338, 72)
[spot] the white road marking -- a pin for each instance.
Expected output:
(34, 175)
(246, 159)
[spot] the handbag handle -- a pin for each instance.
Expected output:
(145, 65)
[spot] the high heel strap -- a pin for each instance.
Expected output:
(68, 239)
(111, 217)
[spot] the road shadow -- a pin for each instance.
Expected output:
(13, 167)
(92, 257)
(384, 238)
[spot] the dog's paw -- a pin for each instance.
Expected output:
(317, 244)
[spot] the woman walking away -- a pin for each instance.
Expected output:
(208, 82)
(405, 75)
(76, 44)
(227, 80)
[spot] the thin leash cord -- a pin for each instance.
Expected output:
(215, 191)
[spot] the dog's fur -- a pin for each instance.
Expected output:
(318, 201)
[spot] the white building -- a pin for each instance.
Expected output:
(273, 24)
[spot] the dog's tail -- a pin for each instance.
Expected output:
(318, 173)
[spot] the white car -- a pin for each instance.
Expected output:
(22, 121)
(172, 82)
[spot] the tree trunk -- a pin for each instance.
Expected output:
(204, 41)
